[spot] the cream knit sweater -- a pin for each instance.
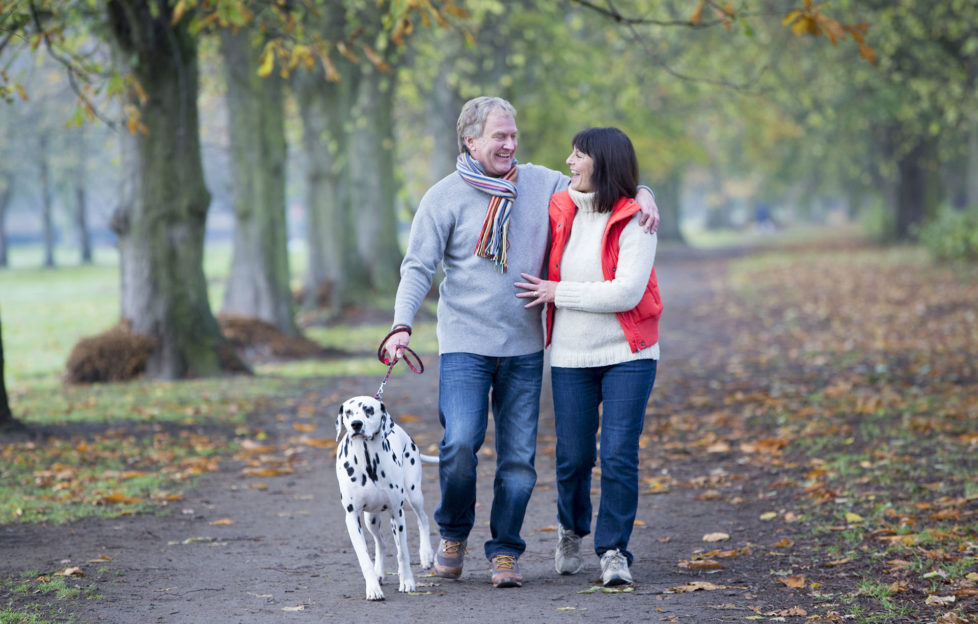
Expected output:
(586, 330)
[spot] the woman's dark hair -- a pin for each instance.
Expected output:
(615, 173)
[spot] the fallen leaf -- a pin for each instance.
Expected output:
(716, 537)
(838, 562)
(304, 427)
(853, 518)
(792, 612)
(951, 618)
(785, 542)
(100, 559)
(222, 522)
(73, 571)
(695, 586)
(770, 515)
(700, 564)
(594, 589)
(797, 581)
(296, 608)
(939, 600)
(566, 608)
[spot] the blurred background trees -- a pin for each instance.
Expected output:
(161, 126)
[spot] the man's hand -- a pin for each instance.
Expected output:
(393, 348)
(650, 211)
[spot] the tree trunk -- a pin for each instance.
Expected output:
(5, 196)
(333, 275)
(8, 424)
(918, 192)
(47, 218)
(442, 106)
(163, 202)
(81, 203)
(258, 284)
(374, 182)
(667, 196)
(971, 178)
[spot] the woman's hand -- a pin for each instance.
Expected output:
(541, 291)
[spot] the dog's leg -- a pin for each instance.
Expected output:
(380, 546)
(355, 529)
(398, 528)
(416, 501)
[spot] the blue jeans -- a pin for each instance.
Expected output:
(624, 391)
(512, 384)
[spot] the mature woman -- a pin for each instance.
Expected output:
(603, 329)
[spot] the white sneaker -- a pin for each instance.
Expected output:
(614, 569)
(567, 559)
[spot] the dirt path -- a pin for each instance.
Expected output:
(286, 556)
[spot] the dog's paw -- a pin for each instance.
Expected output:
(407, 585)
(427, 558)
(374, 592)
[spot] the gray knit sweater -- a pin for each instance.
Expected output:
(478, 311)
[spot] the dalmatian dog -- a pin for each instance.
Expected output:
(378, 467)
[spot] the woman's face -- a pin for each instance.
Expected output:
(581, 166)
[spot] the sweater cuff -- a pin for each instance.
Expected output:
(568, 295)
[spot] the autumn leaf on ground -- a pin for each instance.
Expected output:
(716, 537)
(304, 427)
(695, 586)
(838, 562)
(73, 571)
(222, 522)
(792, 612)
(785, 542)
(700, 564)
(796, 582)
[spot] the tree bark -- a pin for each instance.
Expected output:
(374, 181)
(81, 203)
(971, 179)
(8, 424)
(668, 193)
(258, 284)
(47, 217)
(5, 196)
(163, 202)
(918, 192)
(333, 277)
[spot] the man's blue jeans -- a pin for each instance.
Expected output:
(624, 391)
(512, 384)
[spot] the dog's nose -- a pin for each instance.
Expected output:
(356, 425)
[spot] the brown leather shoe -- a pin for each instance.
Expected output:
(506, 571)
(449, 558)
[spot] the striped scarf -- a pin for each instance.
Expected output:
(495, 229)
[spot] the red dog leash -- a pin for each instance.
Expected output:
(413, 361)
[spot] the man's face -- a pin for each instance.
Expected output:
(496, 148)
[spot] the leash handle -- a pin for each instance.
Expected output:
(413, 360)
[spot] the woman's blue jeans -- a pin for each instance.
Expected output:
(467, 384)
(623, 392)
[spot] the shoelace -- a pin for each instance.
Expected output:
(568, 545)
(505, 562)
(452, 548)
(617, 560)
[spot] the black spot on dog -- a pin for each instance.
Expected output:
(368, 410)
(363, 481)
(350, 507)
(412, 461)
(412, 486)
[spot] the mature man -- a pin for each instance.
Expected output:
(485, 223)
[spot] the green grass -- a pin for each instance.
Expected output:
(126, 447)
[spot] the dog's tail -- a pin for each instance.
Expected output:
(429, 459)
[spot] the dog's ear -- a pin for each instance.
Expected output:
(386, 422)
(339, 423)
